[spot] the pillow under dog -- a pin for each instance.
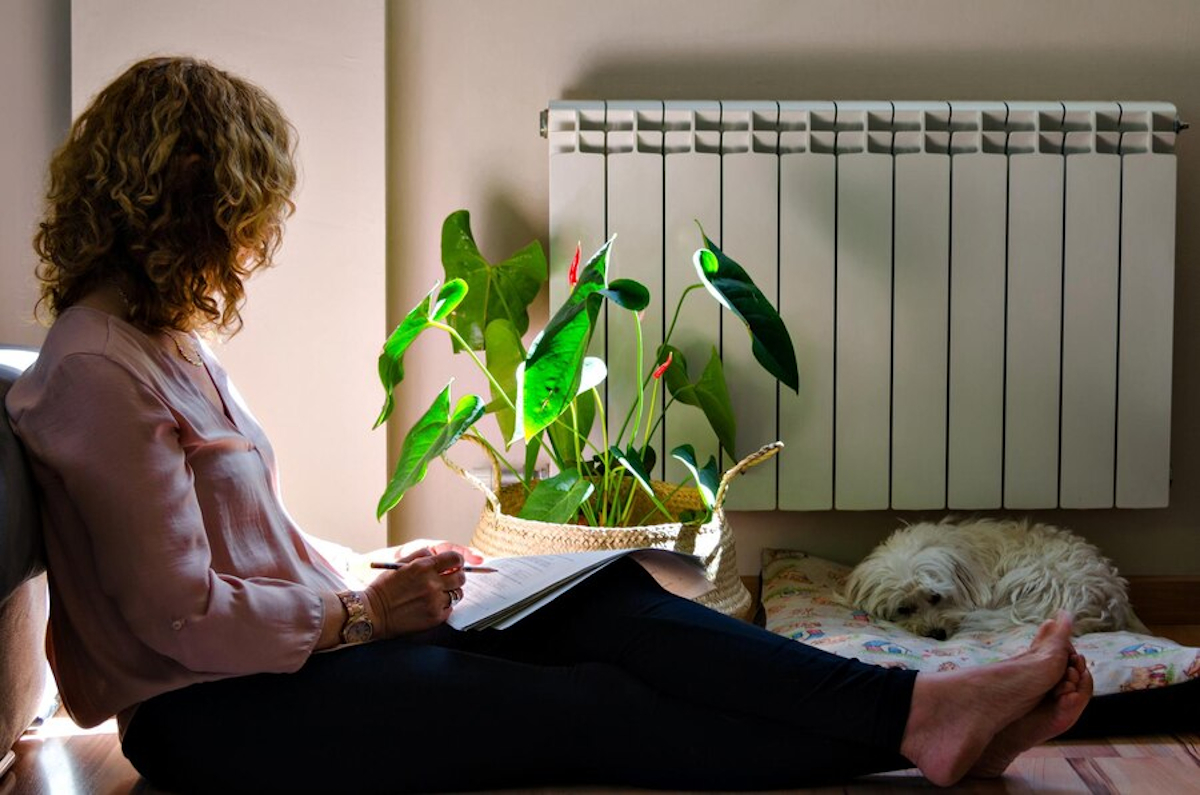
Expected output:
(798, 600)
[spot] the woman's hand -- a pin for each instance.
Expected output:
(416, 596)
(470, 555)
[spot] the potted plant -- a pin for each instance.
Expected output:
(545, 399)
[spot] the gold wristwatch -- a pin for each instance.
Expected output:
(358, 627)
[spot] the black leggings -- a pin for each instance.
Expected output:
(615, 683)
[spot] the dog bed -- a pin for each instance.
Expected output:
(1143, 684)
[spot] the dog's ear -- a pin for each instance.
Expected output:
(970, 587)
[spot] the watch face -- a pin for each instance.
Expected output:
(357, 631)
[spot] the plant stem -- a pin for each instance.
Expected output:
(499, 457)
(660, 507)
(666, 339)
(637, 325)
(604, 457)
(661, 415)
(495, 384)
(678, 306)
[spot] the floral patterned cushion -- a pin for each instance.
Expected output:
(798, 598)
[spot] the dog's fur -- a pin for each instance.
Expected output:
(983, 575)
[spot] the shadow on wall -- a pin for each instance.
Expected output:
(501, 229)
(950, 74)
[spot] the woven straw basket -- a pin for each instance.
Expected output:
(501, 533)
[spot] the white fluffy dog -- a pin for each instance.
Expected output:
(982, 575)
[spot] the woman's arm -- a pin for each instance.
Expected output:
(139, 529)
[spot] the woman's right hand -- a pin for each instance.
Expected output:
(416, 596)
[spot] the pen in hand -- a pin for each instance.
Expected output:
(376, 564)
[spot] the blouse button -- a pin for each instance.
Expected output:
(177, 625)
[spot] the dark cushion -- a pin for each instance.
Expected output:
(20, 531)
(22, 592)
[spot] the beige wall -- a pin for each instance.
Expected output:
(467, 79)
(34, 115)
(305, 361)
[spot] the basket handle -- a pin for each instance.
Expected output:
(757, 457)
(489, 493)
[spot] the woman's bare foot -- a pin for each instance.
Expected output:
(1057, 712)
(956, 715)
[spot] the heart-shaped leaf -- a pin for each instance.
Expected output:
(433, 308)
(706, 477)
(710, 393)
(435, 432)
(550, 377)
(504, 355)
(733, 288)
(501, 291)
(628, 294)
(557, 499)
(632, 461)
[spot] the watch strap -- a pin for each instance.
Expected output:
(358, 627)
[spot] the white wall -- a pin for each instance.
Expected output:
(467, 80)
(306, 359)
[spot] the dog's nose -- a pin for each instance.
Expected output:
(937, 634)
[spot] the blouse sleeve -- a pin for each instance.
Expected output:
(115, 445)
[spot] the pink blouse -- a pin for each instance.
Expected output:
(171, 557)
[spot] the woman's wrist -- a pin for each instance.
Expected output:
(376, 611)
(333, 621)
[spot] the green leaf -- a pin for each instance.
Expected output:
(632, 462)
(710, 394)
(531, 456)
(557, 499)
(562, 436)
(502, 291)
(550, 377)
(707, 478)
(434, 433)
(391, 359)
(733, 288)
(504, 355)
(649, 458)
(628, 294)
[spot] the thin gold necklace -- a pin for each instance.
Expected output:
(191, 357)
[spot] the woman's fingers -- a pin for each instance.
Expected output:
(469, 555)
(417, 554)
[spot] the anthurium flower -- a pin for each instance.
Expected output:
(573, 272)
(662, 368)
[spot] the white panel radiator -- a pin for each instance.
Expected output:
(980, 294)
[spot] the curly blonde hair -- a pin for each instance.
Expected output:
(173, 185)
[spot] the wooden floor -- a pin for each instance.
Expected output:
(51, 764)
(61, 759)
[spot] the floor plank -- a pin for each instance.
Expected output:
(58, 761)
